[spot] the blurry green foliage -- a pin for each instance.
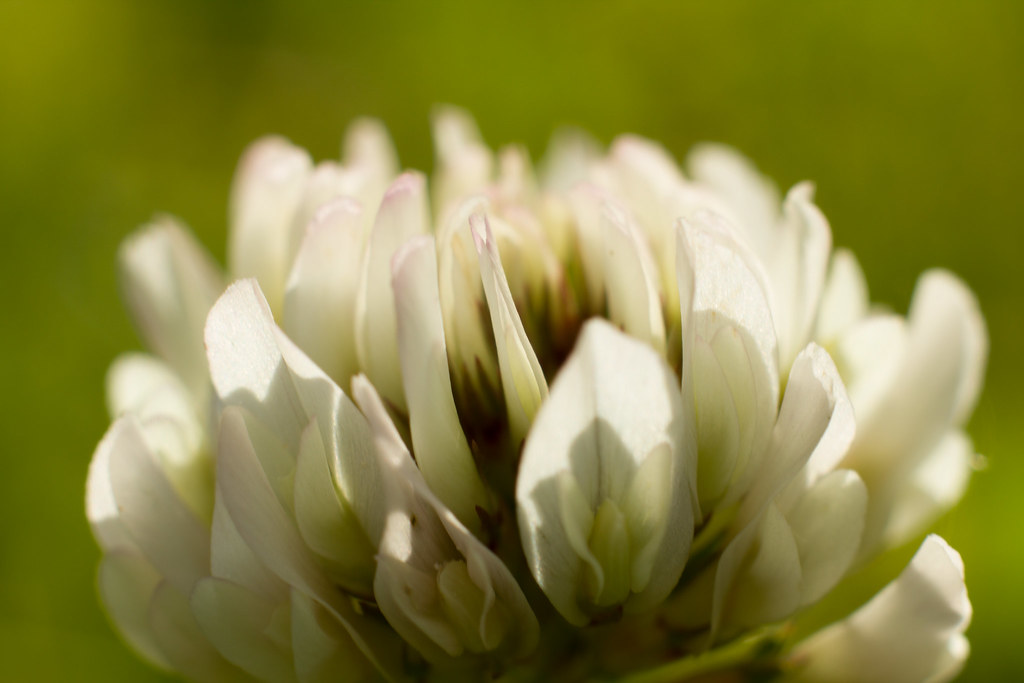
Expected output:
(908, 115)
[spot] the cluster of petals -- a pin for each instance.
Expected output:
(426, 431)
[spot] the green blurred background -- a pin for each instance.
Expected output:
(908, 115)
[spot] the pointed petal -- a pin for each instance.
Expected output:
(467, 329)
(438, 441)
(522, 379)
(265, 197)
(614, 405)
(403, 214)
(320, 299)
(634, 301)
(912, 630)
(797, 270)
(421, 537)
(169, 282)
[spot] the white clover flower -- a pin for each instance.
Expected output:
(596, 422)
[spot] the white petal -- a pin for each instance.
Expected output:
(652, 186)
(255, 366)
(935, 485)
(438, 441)
(126, 584)
(160, 524)
(403, 214)
(327, 524)
(182, 641)
(464, 164)
(232, 559)
(467, 328)
(274, 539)
(256, 512)
(567, 159)
(320, 300)
(522, 379)
(814, 428)
(939, 376)
(910, 631)
(844, 300)
(146, 386)
(169, 282)
(728, 288)
(323, 651)
(246, 364)
(585, 202)
(630, 277)
(723, 302)
(870, 354)
(247, 629)
(752, 196)
(265, 197)
(100, 505)
(421, 537)
(759, 576)
(827, 522)
(614, 405)
(797, 269)
(718, 426)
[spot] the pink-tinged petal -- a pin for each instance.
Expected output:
(265, 198)
(320, 299)
(403, 215)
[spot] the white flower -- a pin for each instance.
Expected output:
(403, 443)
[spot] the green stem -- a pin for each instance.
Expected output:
(729, 656)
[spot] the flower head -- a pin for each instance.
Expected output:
(593, 422)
